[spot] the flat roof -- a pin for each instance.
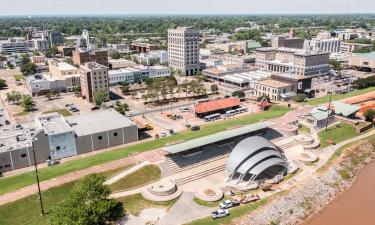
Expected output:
(98, 121)
(210, 139)
(369, 55)
(273, 83)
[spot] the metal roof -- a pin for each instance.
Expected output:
(258, 169)
(254, 160)
(210, 139)
(345, 109)
(245, 149)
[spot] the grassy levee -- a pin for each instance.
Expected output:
(336, 97)
(337, 134)
(9, 184)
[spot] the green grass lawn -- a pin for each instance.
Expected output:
(134, 204)
(138, 178)
(13, 183)
(336, 134)
(336, 97)
(63, 112)
(27, 210)
(303, 129)
(17, 77)
(210, 204)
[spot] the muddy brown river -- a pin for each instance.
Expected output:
(354, 207)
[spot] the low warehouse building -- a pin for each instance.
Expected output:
(55, 137)
(255, 158)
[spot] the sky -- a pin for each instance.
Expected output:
(90, 7)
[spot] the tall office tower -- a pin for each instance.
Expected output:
(183, 50)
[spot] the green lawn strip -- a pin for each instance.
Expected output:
(13, 183)
(337, 134)
(234, 213)
(17, 77)
(63, 112)
(210, 204)
(340, 150)
(336, 97)
(134, 204)
(144, 175)
(27, 210)
(303, 129)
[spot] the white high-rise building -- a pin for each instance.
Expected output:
(183, 50)
(331, 45)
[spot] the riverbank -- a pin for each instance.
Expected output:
(300, 204)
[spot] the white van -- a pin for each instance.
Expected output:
(184, 109)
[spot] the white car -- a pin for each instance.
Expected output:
(228, 204)
(163, 134)
(220, 213)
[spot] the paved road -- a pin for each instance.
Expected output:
(178, 213)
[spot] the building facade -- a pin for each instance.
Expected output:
(83, 56)
(287, 42)
(94, 78)
(292, 61)
(271, 88)
(14, 45)
(331, 45)
(183, 50)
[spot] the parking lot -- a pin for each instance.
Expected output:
(41, 103)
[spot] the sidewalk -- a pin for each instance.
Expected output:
(30, 190)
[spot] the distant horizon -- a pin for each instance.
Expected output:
(188, 14)
(184, 7)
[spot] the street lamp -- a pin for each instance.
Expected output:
(37, 177)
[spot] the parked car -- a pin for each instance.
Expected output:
(195, 128)
(68, 105)
(228, 204)
(163, 134)
(220, 213)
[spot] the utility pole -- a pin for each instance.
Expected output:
(37, 178)
(328, 109)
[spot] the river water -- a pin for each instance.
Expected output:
(354, 207)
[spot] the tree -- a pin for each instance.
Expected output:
(28, 68)
(335, 64)
(299, 97)
(69, 60)
(3, 84)
(214, 88)
(27, 103)
(370, 115)
(125, 89)
(100, 97)
(263, 98)
(115, 55)
(52, 51)
(10, 65)
(77, 90)
(25, 59)
(36, 53)
(238, 94)
(87, 204)
(14, 97)
(121, 107)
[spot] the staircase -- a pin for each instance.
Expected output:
(200, 175)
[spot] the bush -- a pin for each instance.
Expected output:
(369, 115)
(265, 97)
(299, 97)
(238, 94)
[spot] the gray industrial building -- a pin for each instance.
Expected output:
(56, 137)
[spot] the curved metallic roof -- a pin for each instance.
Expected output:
(244, 149)
(252, 161)
(258, 169)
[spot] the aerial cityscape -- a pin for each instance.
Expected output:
(161, 112)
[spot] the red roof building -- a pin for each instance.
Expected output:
(220, 105)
